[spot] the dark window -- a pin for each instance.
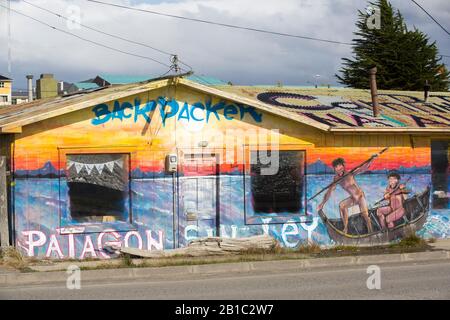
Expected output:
(98, 187)
(282, 192)
(440, 169)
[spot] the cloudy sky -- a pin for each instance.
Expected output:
(242, 57)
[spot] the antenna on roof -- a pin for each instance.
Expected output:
(175, 67)
(8, 18)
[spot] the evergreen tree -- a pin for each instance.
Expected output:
(405, 58)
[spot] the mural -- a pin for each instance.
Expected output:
(398, 215)
(329, 195)
(349, 108)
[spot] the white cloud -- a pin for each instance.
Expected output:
(236, 55)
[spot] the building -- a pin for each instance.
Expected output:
(156, 164)
(5, 91)
(19, 96)
(46, 86)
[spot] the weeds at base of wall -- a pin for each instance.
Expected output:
(412, 241)
(303, 251)
(11, 257)
(127, 261)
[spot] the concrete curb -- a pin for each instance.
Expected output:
(167, 273)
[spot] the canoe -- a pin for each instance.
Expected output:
(417, 209)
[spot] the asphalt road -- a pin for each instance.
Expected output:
(429, 280)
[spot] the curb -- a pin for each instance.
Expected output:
(164, 273)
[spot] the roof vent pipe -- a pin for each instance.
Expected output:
(426, 89)
(30, 87)
(374, 92)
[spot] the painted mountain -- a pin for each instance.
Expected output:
(319, 167)
(47, 171)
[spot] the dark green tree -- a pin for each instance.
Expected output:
(405, 58)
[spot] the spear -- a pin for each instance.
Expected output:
(348, 173)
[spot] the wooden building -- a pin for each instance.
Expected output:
(156, 164)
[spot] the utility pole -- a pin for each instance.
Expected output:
(8, 21)
(175, 64)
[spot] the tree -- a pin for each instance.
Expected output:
(405, 58)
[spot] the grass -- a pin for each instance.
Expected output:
(11, 257)
(127, 261)
(303, 251)
(411, 243)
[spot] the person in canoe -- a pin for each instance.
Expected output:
(346, 179)
(396, 194)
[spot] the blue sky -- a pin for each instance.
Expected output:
(232, 55)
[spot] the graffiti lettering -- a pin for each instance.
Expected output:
(64, 246)
(171, 109)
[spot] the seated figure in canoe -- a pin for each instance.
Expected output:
(396, 194)
(346, 179)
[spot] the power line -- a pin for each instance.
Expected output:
(85, 39)
(105, 33)
(221, 24)
(99, 31)
(432, 18)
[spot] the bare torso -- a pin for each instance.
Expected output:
(349, 184)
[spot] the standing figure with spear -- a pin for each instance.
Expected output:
(346, 179)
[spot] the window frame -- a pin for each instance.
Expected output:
(74, 227)
(278, 219)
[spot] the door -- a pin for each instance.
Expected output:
(199, 194)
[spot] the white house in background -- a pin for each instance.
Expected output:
(5, 91)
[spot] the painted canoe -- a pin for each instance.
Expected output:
(417, 208)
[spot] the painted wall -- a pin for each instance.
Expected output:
(150, 126)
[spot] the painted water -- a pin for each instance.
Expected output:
(41, 205)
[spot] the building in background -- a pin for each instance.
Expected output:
(5, 91)
(46, 86)
(19, 96)
(107, 80)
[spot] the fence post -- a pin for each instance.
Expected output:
(4, 225)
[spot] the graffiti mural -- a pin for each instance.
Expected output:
(96, 177)
(397, 110)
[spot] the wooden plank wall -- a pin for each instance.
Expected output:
(5, 195)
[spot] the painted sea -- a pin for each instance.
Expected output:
(41, 204)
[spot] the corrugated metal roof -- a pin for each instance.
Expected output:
(339, 110)
(124, 79)
(206, 81)
(128, 79)
(86, 85)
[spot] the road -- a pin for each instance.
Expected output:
(429, 280)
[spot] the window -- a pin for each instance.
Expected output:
(2, 84)
(440, 169)
(282, 192)
(98, 187)
(3, 98)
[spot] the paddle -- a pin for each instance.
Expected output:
(348, 173)
(392, 192)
